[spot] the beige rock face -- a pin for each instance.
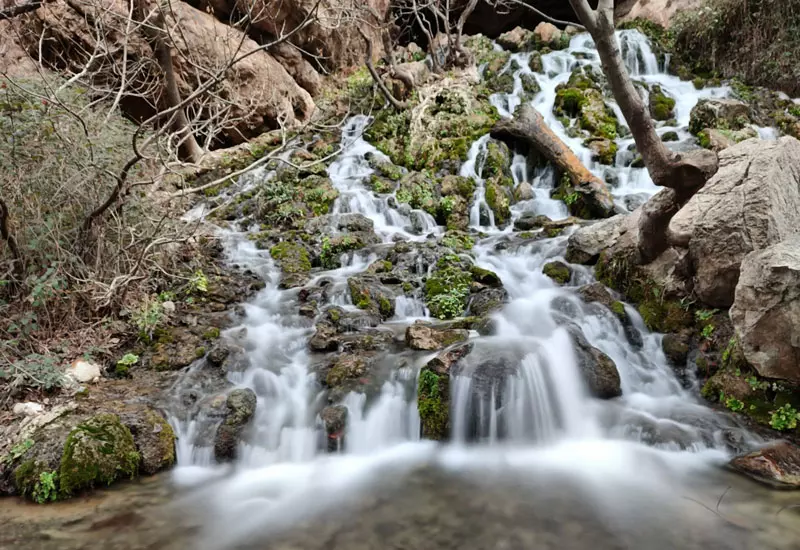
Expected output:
(258, 92)
(660, 11)
(766, 311)
(751, 203)
(333, 35)
(14, 60)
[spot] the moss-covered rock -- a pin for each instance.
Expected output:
(559, 272)
(447, 289)
(723, 114)
(419, 190)
(669, 136)
(604, 150)
(499, 191)
(240, 406)
(368, 293)
(295, 263)
(433, 404)
(97, 452)
(154, 440)
(662, 107)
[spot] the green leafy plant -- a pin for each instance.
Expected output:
(125, 363)
(18, 450)
(703, 315)
(449, 303)
(785, 418)
(147, 319)
(734, 404)
(45, 488)
(572, 198)
(41, 372)
(198, 283)
(707, 332)
(757, 384)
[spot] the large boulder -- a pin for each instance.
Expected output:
(751, 203)
(725, 114)
(777, 465)
(658, 11)
(427, 338)
(330, 28)
(766, 310)
(258, 92)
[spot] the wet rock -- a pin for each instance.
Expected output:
(669, 136)
(662, 107)
(597, 369)
(751, 203)
(676, 348)
(179, 349)
(766, 309)
(97, 452)
(529, 221)
(325, 337)
(523, 192)
(597, 292)
(334, 417)
(777, 465)
(240, 408)
(369, 294)
(487, 301)
(603, 151)
(422, 337)
(154, 439)
(730, 114)
(368, 339)
(433, 392)
(559, 272)
(485, 277)
(294, 261)
(218, 354)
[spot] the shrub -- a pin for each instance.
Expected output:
(757, 41)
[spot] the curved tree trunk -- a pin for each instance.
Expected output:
(683, 174)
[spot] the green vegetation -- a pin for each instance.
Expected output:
(45, 489)
(756, 41)
(97, 452)
(432, 404)
(125, 363)
(784, 418)
(447, 289)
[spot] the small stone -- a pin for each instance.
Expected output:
(523, 192)
(84, 371)
(168, 306)
(28, 408)
(218, 354)
(547, 32)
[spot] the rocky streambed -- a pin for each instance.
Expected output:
(433, 284)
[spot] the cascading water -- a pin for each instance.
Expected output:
(520, 393)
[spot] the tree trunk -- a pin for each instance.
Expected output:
(528, 126)
(683, 174)
(154, 32)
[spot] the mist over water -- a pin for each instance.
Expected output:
(534, 461)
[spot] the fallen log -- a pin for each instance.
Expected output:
(528, 126)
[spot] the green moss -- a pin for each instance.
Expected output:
(484, 276)
(447, 289)
(558, 272)
(569, 102)
(97, 452)
(669, 136)
(200, 352)
(359, 295)
(212, 333)
(498, 199)
(662, 107)
(458, 242)
(433, 405)
(498, 160)
(293, 257)
(385, 306)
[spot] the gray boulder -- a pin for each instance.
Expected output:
(766, 311)
(751, 203)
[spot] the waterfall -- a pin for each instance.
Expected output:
(520, 389)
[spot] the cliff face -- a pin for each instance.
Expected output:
(660, 11)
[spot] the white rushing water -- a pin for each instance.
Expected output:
(519, 396)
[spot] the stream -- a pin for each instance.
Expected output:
(533, 461)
